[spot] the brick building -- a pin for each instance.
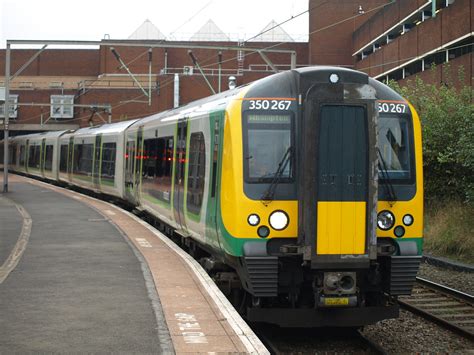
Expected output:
(395, 39)
(387, 39)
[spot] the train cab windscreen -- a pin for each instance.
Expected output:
(394, 145)
(267, 141)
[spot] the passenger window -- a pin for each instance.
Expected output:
(48, 160)
(34, 156)
(22, 155)
(63, 158)
(108, 161)
(158, 166)
(196, 172)
(83, 159)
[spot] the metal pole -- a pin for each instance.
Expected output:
(117, 56)
(31, 60)
(200, 70)
(219, 57)
(6, 109)
(293, 60)
(176, 91)
(433, 8)
(150, 53)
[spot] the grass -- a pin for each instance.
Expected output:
(449, 231)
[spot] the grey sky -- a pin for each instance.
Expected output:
(91, 19)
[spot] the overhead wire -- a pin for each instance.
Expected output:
(191, 18)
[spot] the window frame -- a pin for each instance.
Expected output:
(13, 108)
(200, 172)
(62, 114)
(245, 148)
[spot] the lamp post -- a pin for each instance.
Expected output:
(6, 110)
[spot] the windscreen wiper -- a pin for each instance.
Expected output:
(387, 181)
(269, 193)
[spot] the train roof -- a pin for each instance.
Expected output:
(49, 134)
(206, 104)
(117, 127)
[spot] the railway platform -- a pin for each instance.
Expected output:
(81, 275)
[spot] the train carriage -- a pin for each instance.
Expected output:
(92, 158)
(300, 193)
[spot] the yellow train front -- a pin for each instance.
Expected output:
(321, 198)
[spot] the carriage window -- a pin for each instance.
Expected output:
(83, 159)
(34, 156)
(158, 166)
(108, 161)
(63, 158)
(266, 144)
(394, 146)
(48, 159)
(196, 172)
(22, 155)
(13, 154)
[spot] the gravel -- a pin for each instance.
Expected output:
(463, 281)
(412, 334)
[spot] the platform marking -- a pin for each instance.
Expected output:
(190, 329)
(110, 213)
(143, 242)
(20, 246)
(251, 342)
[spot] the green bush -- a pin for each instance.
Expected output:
(447, 120)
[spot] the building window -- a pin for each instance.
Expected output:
(13, 108)
(62, 106)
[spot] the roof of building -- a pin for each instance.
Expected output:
(209, 32)
(273, 33)
(147, 30)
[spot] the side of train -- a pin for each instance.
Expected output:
(301, 193)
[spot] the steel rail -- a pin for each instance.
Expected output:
(375, 347)
(457, 303)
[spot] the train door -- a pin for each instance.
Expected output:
(341, 180)
(137, 165)
(97, 158)
(27, 154)
(129, 166)
(215, 178)
(180, 165)
(70, 157)
(42, 156)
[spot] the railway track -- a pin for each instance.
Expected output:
(446, 306)
(317, 340)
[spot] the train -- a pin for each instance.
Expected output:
(300, 193)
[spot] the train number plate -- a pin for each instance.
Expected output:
(339, 301)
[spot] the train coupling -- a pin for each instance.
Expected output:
(338, 290)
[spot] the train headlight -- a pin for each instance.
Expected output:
(278, 220)
(253, 219)
(385, 220)
(263, 231)
(399, 231)
(408, 220)
(334, 78)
